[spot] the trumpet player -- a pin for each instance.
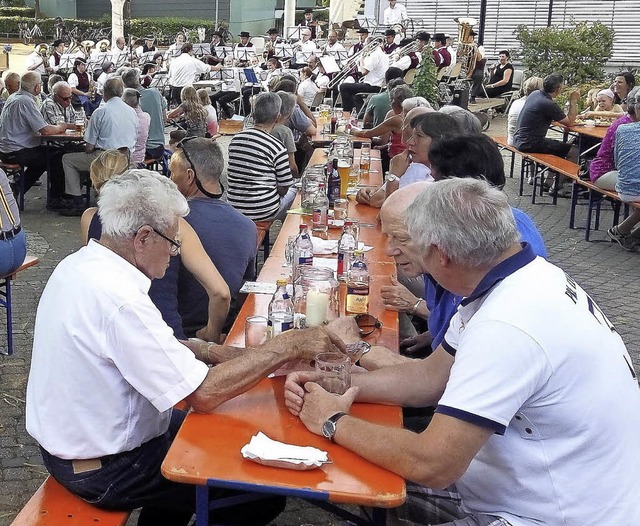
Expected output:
(441, 55)
(372, 68)
(303, 48)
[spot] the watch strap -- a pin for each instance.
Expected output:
(334, 420)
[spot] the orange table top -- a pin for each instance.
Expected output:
(592, 131)
(207, 451)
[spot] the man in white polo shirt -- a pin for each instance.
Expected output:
(185, 69)
(538, 406)
(106, 369)
(373, 68)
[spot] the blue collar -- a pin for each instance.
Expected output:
(501, 271)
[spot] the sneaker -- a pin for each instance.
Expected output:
(530, 180)
(625, 242)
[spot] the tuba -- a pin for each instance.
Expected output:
(104, 45)
(87, 46)
(467, 51)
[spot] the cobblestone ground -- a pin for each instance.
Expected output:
(607, 272)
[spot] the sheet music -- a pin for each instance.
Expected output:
(329, 64)
(244, 53)
(284, 51)
(294, 33)
(201, 49)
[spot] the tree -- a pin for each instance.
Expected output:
(578, 52)
(117, 20)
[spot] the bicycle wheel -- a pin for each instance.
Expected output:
(26, 37)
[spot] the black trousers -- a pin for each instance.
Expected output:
(223, 99)
(247, 92)
(34, 161)
(348, 92)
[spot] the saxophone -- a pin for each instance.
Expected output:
(467, 51)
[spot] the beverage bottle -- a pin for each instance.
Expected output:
(320, 207)
(280, 313)
(347, 244)
(333, 124)
(357, 286)
(333, 181)
(353, 118)
(302, 250)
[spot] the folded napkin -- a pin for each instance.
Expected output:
(324, 246)
(262, 448)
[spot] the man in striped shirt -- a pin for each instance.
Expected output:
(259, 176)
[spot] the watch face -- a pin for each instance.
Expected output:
(328, 429)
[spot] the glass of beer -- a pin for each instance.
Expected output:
(344, 167)
(354, 178)
(365, 164)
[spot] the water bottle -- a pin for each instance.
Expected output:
(302, 251)
(353, 118)
(347, 244)
(357, 286)
(320, 207)
(280, 313)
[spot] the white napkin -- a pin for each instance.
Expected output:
(324, 246)
(264, 448)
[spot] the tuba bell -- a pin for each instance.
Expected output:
(467, 51)
(103, 45)
(87, 46)
(43, 50)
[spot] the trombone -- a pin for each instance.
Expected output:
(347, 67)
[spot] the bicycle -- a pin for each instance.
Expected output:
(223, 29)
(27, 34)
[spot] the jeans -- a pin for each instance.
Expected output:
(12, 253)
(133, 479)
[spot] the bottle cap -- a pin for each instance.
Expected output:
(281, 282)
(358, 252)
(303, 225)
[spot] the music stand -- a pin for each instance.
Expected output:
(122, 60)
(294, 32)
(250, 76)
(339, 55)
(177, 51)
(227, 74)
(159, 81)
(244, 54)
(201, 49)
(146, 57)
(305, 55)
(66, 61)
(223, 51)
(329, 64)
(283, 51)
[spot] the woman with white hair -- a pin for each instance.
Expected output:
(528, 87)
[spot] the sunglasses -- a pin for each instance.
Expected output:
(182, 145)
(367, 324)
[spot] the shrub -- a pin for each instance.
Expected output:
(425, 83)
(29, 12)
(579, 52)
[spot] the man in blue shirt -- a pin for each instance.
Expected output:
(228, 237)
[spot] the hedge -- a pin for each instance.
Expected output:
(164, 29)
(29, 12)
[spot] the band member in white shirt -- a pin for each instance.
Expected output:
(54, 58)
(373, 67)
(304, 48)
(395, 14)
(316, 31)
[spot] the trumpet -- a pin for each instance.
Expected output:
(347, 67)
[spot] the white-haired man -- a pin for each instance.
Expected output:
(106, 369)
(518, 428)
(57, 108)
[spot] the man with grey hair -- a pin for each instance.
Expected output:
(106, 370)
(113, 126)
(508, 383)
(227, 237)
(21, 128)
(466, 120)
(259, 176)
(57, 107)
(153, 103)
(283, 133)
(131, 97)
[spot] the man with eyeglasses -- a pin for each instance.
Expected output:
(57, 107)
(21, 128)
(227, 237)
(106, 369)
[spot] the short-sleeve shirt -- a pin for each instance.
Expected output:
(298, 122)
(258, 165)
(105, 370)
(113, 125)
(627, 157)
(378, 106)
(539, 364)
(285, 136)
(20, 121)
(535, 118)
(185, 69)
(54, 114)
(153, 103)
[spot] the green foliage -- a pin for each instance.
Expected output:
(9, 25)
(425, 83)
(578, 52)
(18, 11)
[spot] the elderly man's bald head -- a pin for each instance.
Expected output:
(405, 252)
(407, 130)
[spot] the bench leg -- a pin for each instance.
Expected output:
(513, 162)
(6, 303)
(523, 169)
(574, 202)
(587, 232)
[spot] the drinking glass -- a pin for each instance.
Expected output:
(288, 250)
(365, 149)
(255, 331)
(365, 164)
(340, 209)
(334, 372)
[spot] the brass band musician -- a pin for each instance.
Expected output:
(309, 22)
(270, 44)
(389, 45)
(38, 61)
(54, 58)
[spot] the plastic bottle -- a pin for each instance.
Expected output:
(280, 313)
(320, 207)
(357, 286)
(347, 244)
(302, 251)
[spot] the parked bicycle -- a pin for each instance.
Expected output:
(29, 34)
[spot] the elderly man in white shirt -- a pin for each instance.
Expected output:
(120, 53)
(304, 49)
(373, 68)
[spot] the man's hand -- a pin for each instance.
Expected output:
(319, 405)
(306, 344)
(294, 389)
(415, 344)
(364, 195)
(574, 96)
(397, 297)
(344, 328)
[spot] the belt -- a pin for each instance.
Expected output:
(10, 234)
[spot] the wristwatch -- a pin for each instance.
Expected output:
(391, 177)
(415, 307)
(329, 427)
